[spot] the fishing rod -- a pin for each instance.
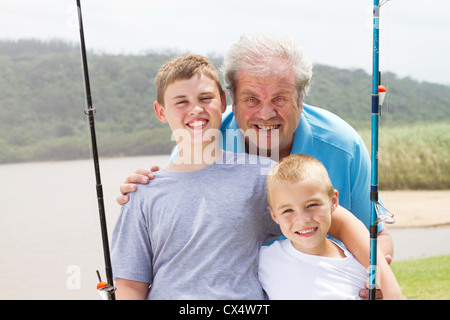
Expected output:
(107, 292)
(378, 93)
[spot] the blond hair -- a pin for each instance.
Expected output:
(184, 68)
(297, 167)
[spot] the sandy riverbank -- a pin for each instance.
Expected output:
(418, 208)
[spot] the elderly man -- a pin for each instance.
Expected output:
(268, 79)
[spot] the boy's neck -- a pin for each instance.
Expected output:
(195, 157)
(327, 248)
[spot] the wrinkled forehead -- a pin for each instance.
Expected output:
(266, 66)
(266, 84)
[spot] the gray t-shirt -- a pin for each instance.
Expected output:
(196, 235)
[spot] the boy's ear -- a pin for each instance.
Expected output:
(335, 200)
(274, 217)
(160, 112)
(223, 98)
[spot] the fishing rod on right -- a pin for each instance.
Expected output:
(378, 214)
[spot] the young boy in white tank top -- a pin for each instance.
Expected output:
(308, 265)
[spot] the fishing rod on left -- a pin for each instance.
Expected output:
(107, 292)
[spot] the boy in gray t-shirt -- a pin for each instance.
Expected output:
(195, 231)
(196, 235)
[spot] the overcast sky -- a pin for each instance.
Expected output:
(414, 35)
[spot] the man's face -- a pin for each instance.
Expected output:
(269, 107)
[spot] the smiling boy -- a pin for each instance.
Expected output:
(308, 265)
(193, 109)
(179, 237)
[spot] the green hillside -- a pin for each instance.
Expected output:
(42, 101)
(348, 94)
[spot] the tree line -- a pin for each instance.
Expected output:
(42, 101)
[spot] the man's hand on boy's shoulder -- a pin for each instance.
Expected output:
(140, 176)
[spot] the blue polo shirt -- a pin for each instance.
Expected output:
(335, 143)
(331, 140)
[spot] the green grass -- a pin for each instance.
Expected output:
(424, 279)
(414, 157)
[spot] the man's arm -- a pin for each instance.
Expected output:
(352, 232)
(131, 290)
(386, 280)
(360, 177)
(355, 236)
(385, 243)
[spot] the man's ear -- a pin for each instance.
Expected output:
(160, 112)
(233, 101)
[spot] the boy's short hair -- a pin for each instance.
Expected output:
(297, 167)
(183, 68)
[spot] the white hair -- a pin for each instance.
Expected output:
(255, 54)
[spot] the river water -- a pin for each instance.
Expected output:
(50, 237)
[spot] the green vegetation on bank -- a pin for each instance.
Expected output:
(42, 102)
(424, 279)
(415, 156)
